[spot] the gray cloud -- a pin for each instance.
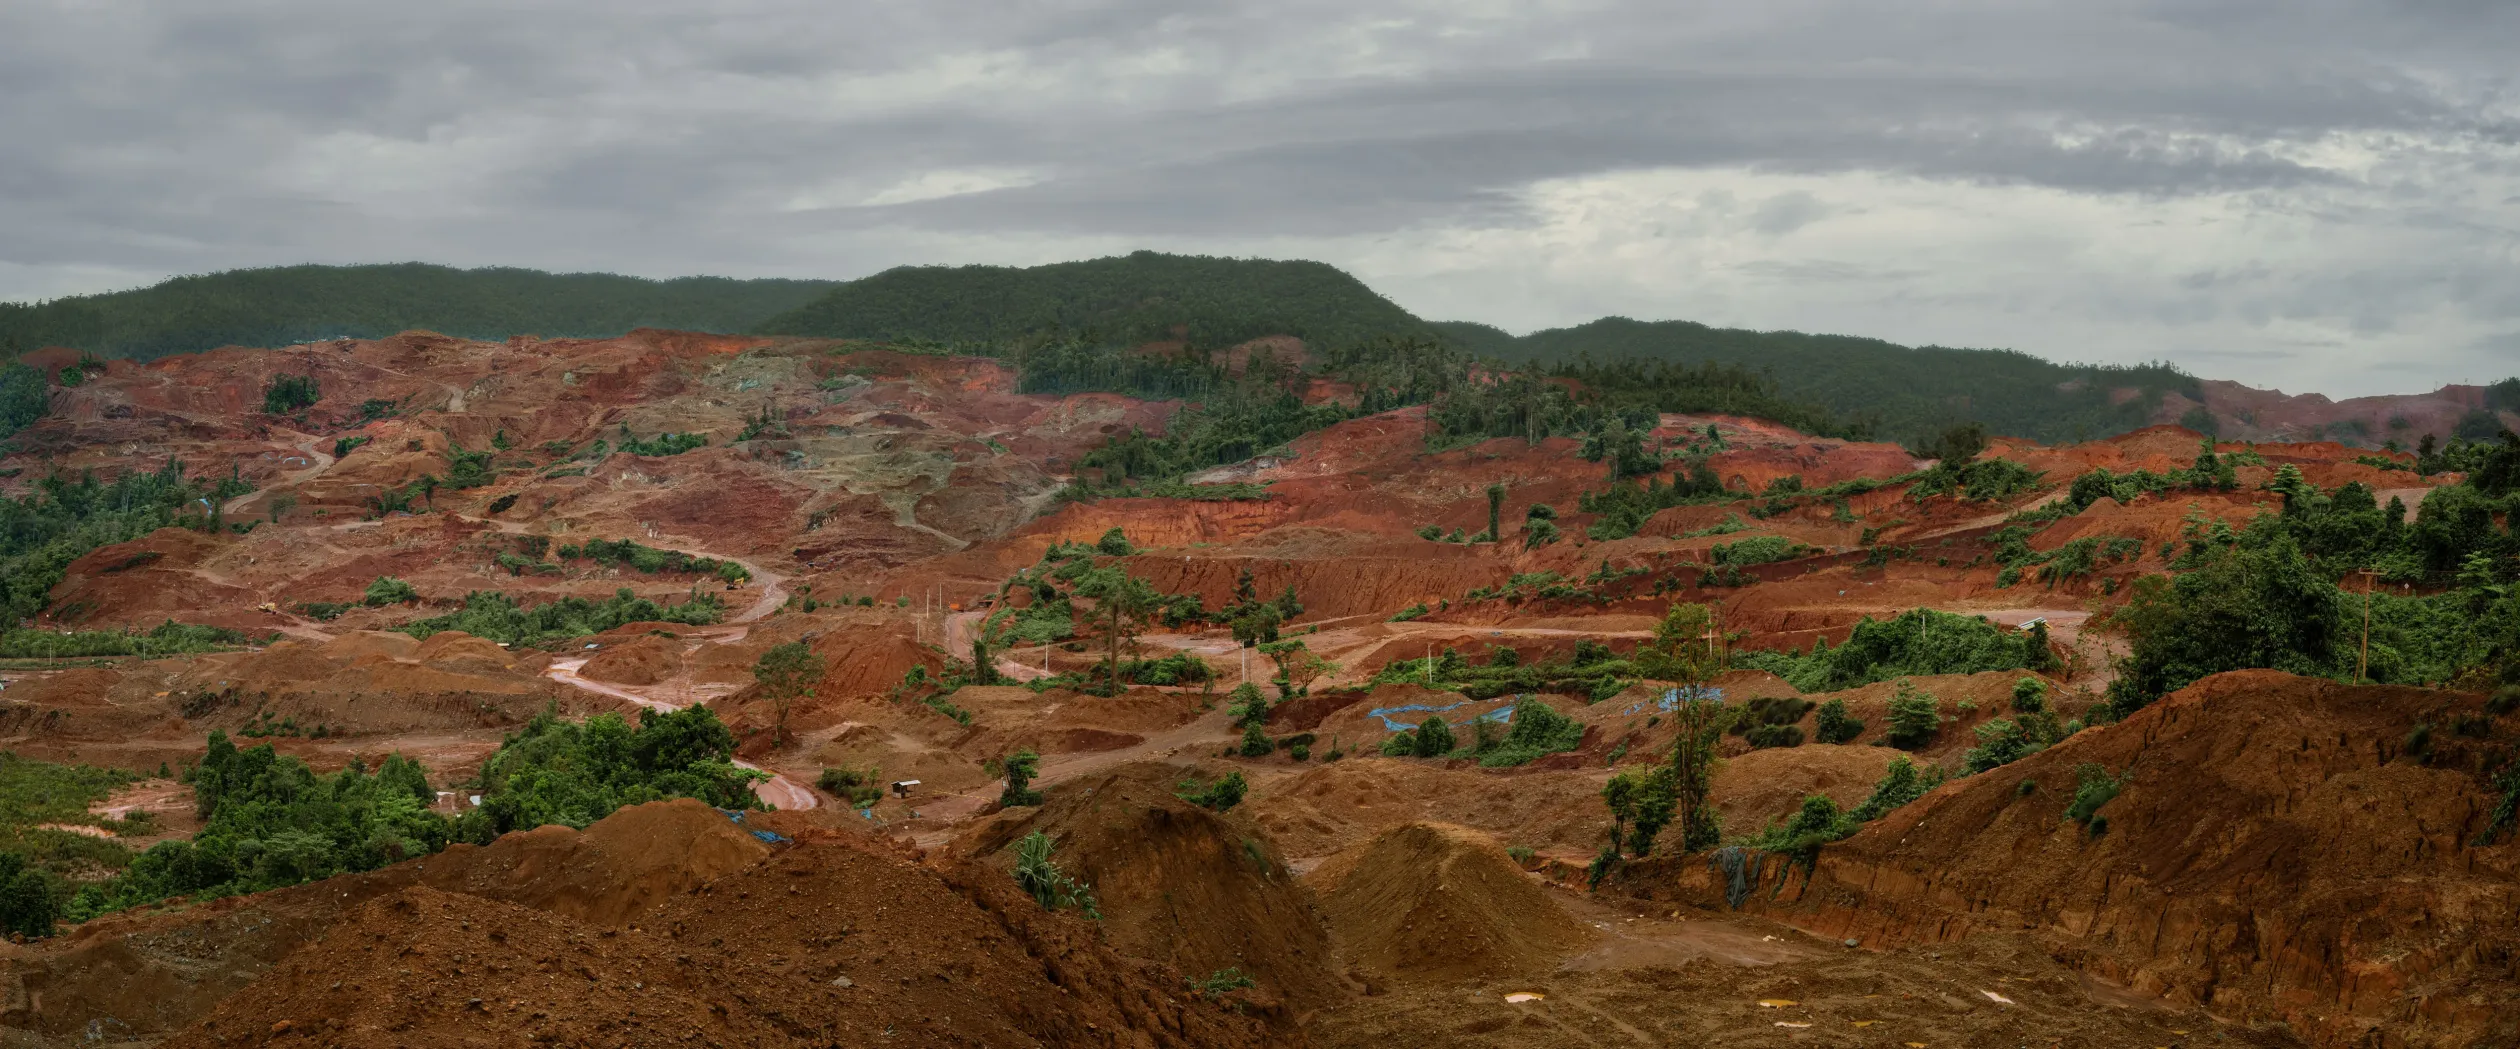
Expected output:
(2229, 181)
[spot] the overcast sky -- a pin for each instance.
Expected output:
(2307, 194)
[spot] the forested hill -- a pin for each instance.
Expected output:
(1142, 297)
(292, 304)
(1907, 392)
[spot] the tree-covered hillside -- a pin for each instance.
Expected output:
(292, 304)
(1906, 393)
(1142, 297)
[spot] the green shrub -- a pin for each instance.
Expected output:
(1537, 730)
(1020, 767)
(1219, 796)
(1399, 744)
(1409, 613)
(1834, 726)
(2094, 787)
(497, 617)
(1248, 707)
(2029, 695)
(1434, 738)
(861, 788)
(387, 590)
(2504, 700)
(288, 393)
(27, 906)
(1220, 983)
(1114, 543)
(1049, 886)
(1915, 717)
(2001, 741)
(1763, 737)
(1255, 743)
(347, 445)
(1758, 550)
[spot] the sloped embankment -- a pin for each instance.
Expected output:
(2274, 851)
(1179, 884)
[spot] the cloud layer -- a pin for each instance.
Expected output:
(2312, 194)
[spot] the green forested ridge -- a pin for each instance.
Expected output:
(1141, 297)
(1821, 383)
(292, 304)
(1905, 393)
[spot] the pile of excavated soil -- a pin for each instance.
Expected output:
(2272, 850)
(424, 968)
(642, 660)
(1331, 807)
(1177, 883)
(146, 974)
(1437, 902)
(662, 924)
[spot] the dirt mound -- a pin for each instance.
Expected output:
(149, 973)
(840, 942)
(643, 660)
(1334, 806)
(424, 968)
(1440, 902)
(1177, 884)
(2272, 851)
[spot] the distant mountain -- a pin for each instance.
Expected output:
(1137, 298)
(293, 304)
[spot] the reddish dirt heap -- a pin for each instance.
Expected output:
(1176, 883)
(1438, 902)
(2273, 853)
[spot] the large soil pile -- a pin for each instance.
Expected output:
(2273, 852)
(1177, 884)
(660, 924)
(1437, 902)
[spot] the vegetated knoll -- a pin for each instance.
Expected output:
(1141, 297)
(1436, 902)
(1908, 390)
(1178, 884)
(290, 304)
(2278, 847)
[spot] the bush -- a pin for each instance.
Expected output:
(1399, 744)
(1114, 543)
(1049, 886)
(1247, 705)
(289, 393)
(1834, 726)
(2094, 787)
(2029, 695)
(1915, 717)
(1220, 983)
(860, 788)
(1020, 767)
(387, 590)
(497, 617)
(2001, 742)
(1255, 743)
(27, 907)
(1538, 730)
(1763, 737)
(2504, 700)
(1219, 796)
(1434, 738)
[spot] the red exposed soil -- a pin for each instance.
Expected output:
(2271, 855)
(1435, 902)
